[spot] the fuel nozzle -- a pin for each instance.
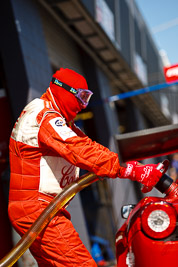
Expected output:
(165, 181)
(163, 166)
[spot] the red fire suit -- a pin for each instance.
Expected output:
(45, 156)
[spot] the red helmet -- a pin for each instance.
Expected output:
(70, 91)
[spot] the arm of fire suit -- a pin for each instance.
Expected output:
(80, 151)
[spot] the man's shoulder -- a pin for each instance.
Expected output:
(47, 111)
(35, 105)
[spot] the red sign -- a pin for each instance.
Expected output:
(171, 73)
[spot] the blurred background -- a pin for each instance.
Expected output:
(119, 46)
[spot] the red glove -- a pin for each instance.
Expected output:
(147, 175)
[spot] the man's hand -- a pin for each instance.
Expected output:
(147, 175)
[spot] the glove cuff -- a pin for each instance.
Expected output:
(129, 171)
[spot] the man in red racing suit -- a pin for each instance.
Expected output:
(46, 153)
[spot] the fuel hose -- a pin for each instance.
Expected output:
(54, 206)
